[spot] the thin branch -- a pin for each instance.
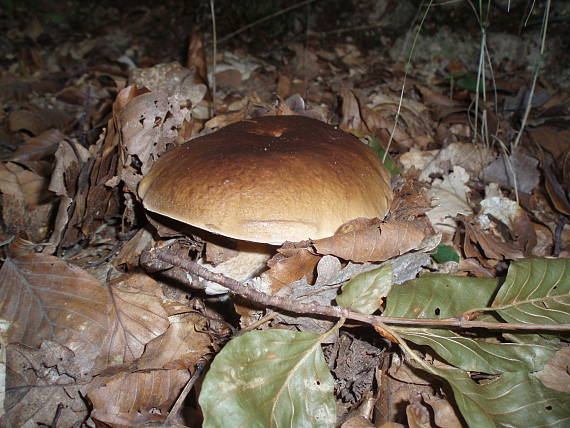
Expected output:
(313, 308)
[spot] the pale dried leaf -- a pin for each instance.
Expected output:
(450, 198)
(471, 157)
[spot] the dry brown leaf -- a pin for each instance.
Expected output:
(379, 242)
(556, 373)
(418, 416)
(180, 347)
(130, 252)
(39, 147)
(555, 140)
(289, 266)
(494, 247)
(37, 120)
(196, 58)
(23, 184)
(49, 299)
(444, 414)
(135, 319)
(350, 113)
(36, 376)
(134, 399)
(431, 97)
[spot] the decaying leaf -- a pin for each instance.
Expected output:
(556, 372)
(49, 299)
(290, 265)
(183, 344)
(135, 319)
(23, 184)
(38, 147)
(377, 242)
(519, 171)
(135, 399)
(450, 198)
(35, 382)
(471, 157)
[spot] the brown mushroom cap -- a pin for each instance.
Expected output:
(271, 179)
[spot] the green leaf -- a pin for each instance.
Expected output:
(439, 296)
(479, 355)
(445, 253)
(445, 296)
(516, 399)
(536, 291)
(270, 378)
(365, 291)
(379, 149)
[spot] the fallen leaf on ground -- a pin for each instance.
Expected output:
(135, 319)
(519, 171)
(34, 381)
(450, 198)
(377, 242)
(49, 299)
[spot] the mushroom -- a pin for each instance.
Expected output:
(265, 181)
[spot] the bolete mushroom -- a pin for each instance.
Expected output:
(268, 180)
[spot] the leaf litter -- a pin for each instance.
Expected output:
(86, 122)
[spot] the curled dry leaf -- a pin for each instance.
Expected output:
(46, 298)
(350, 114)
(38, 147)
(377, 242)
(23, 184)
(180, 347)
(289, 266)
(136, 317)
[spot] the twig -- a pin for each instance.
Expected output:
(180, 400)
(334, 311)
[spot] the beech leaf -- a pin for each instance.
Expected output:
(269, 378)
(536, 291)
(445, 296)
(375, 243)
(516, 399)
(364, 292)
(46, 298)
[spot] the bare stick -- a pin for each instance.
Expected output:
(313, 308)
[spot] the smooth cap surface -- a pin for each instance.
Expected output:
(270, 179)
